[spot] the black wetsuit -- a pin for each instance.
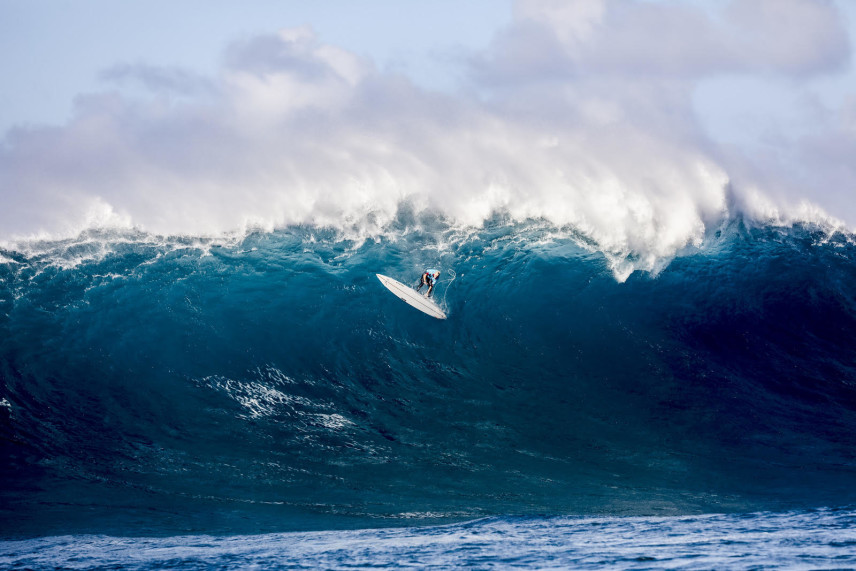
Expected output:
(427, 279)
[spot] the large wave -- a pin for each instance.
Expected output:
(268, 380)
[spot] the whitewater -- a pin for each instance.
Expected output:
(807, 540)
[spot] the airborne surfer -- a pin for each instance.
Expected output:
(429, 278)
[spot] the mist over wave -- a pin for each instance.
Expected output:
(560, 119)
(269, 381)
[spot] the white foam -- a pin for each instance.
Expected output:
(763, 209)
(257, 398)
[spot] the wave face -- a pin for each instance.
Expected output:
(270, 382)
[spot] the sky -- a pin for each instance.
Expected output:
(53, 50)
(638, 122)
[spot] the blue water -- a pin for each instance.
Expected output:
(805, 540)
(175, 387)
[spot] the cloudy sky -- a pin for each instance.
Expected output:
(639, 122)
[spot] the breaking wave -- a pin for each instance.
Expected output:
(267, 381)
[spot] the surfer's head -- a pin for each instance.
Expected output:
(436, 274)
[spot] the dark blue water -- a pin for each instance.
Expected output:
(158, 386)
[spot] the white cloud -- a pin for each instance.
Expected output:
(795, 36)
(159, 80)
(667, 39)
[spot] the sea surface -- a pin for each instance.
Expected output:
(260, 400)
(796, 540)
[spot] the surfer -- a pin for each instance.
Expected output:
(429, 278)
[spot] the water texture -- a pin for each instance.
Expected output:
(801, 540)
(265, 383)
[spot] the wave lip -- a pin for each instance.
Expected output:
(642, 237)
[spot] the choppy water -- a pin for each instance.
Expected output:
(795, 540)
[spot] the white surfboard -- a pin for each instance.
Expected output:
(412, 297)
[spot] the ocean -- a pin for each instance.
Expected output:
(259, 400)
